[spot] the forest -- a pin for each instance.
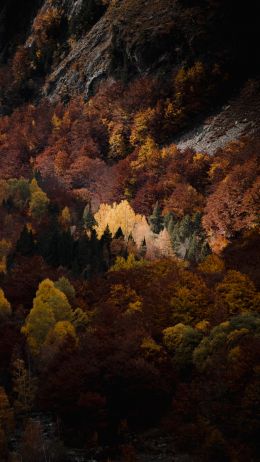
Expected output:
(129, 268)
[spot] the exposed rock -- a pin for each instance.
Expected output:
(241, 117)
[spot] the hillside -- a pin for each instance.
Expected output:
(129, 231)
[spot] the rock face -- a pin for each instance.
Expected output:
(136, 37)
(239, 117)
(125, 38)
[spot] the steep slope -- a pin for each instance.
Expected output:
(239, 117)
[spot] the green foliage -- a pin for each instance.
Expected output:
(80, 320)
(224, 338)
(64, 285)
(19, 192)
(88, 218)
(39, 201)
(181, 340)
(126, 264)
(188, 238)
(156, 220)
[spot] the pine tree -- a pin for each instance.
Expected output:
(193, 248)
(197, 222)
(88, 218)
(156, 220)
(143, 248)
(185, 227)
(119, 234)
(25, 244)
(105, 242)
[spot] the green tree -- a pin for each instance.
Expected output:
(88, 218)
(181, 340)
(156, 220)
(64, 285)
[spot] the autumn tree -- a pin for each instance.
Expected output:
(5, 307)
(24, 387)
(49, 306)
(38, 202)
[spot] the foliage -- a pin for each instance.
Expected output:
(5, 307)
(49, 306)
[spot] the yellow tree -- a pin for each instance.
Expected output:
(65, 218)
(38, 202)
(49, 306)
(117, 216)
(5, 307)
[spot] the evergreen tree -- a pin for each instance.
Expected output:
(156, 220)
(205, 250)
(143, 248)
(185, 227)
(193, 248)
(105, 242)
(197, 222)
(88, 218)
(25, 244)
(65, 248)
(119, 234)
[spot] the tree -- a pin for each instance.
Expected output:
(61, 331)
(49, 306)
(38, 202)
(25, 244)
(33, 446)
(65, 218)
(5, 307)
(24, 387)
(156, 220)
(6, 412)
(237, 293)
(64, 285)
(88, 218)
(119, 233)
(5, 247)
(181, 341)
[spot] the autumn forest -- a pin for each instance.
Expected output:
(129, 262)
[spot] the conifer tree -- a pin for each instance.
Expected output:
(156, 220)
(119, 234)
(88, 218)
(25, 244)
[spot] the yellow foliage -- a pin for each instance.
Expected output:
(61, 330)
(3, 267)
(203, 326)
(125, 264)
(49, 307)
(212, 264)
(56, 122)
(116, 216)
(65, 217)
(147, 152)
(234, 354)
(148, 344)
(5, 307)
(140, 129)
